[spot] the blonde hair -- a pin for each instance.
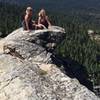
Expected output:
(42, 13)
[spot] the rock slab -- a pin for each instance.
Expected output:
(27, 71)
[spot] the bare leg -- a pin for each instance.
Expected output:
(40, 26)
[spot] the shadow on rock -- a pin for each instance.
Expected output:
(73, 69)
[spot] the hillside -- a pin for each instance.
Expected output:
(10, 19)
(77, 48)
(58, 4)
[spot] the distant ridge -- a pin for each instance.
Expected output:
(58, 4)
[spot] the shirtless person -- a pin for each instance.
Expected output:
(28, 24)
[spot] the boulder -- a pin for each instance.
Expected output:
(28, 72)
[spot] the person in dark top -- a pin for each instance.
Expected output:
(27, 23)
(43, 20)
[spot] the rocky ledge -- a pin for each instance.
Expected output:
(28, 70)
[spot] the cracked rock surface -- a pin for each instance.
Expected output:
(27, 71)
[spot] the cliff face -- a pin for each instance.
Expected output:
(28, 71)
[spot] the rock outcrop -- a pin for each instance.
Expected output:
(28, 72)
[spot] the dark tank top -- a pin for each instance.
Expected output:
(30, 24)
(44, 22)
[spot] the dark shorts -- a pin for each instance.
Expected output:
(31, 26)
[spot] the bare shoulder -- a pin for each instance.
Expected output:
(26, 17)
(39, 17)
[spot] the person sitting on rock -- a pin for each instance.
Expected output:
(43, 20)
(27, 23)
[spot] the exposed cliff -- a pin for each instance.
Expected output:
(29, 69)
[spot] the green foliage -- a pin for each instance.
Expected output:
(10, 18)
(78, 46)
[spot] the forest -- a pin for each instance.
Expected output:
(77, 45)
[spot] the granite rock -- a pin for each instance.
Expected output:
(27, 71)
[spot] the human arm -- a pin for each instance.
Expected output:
(26, 22)
(39, 20)
(39, 24)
